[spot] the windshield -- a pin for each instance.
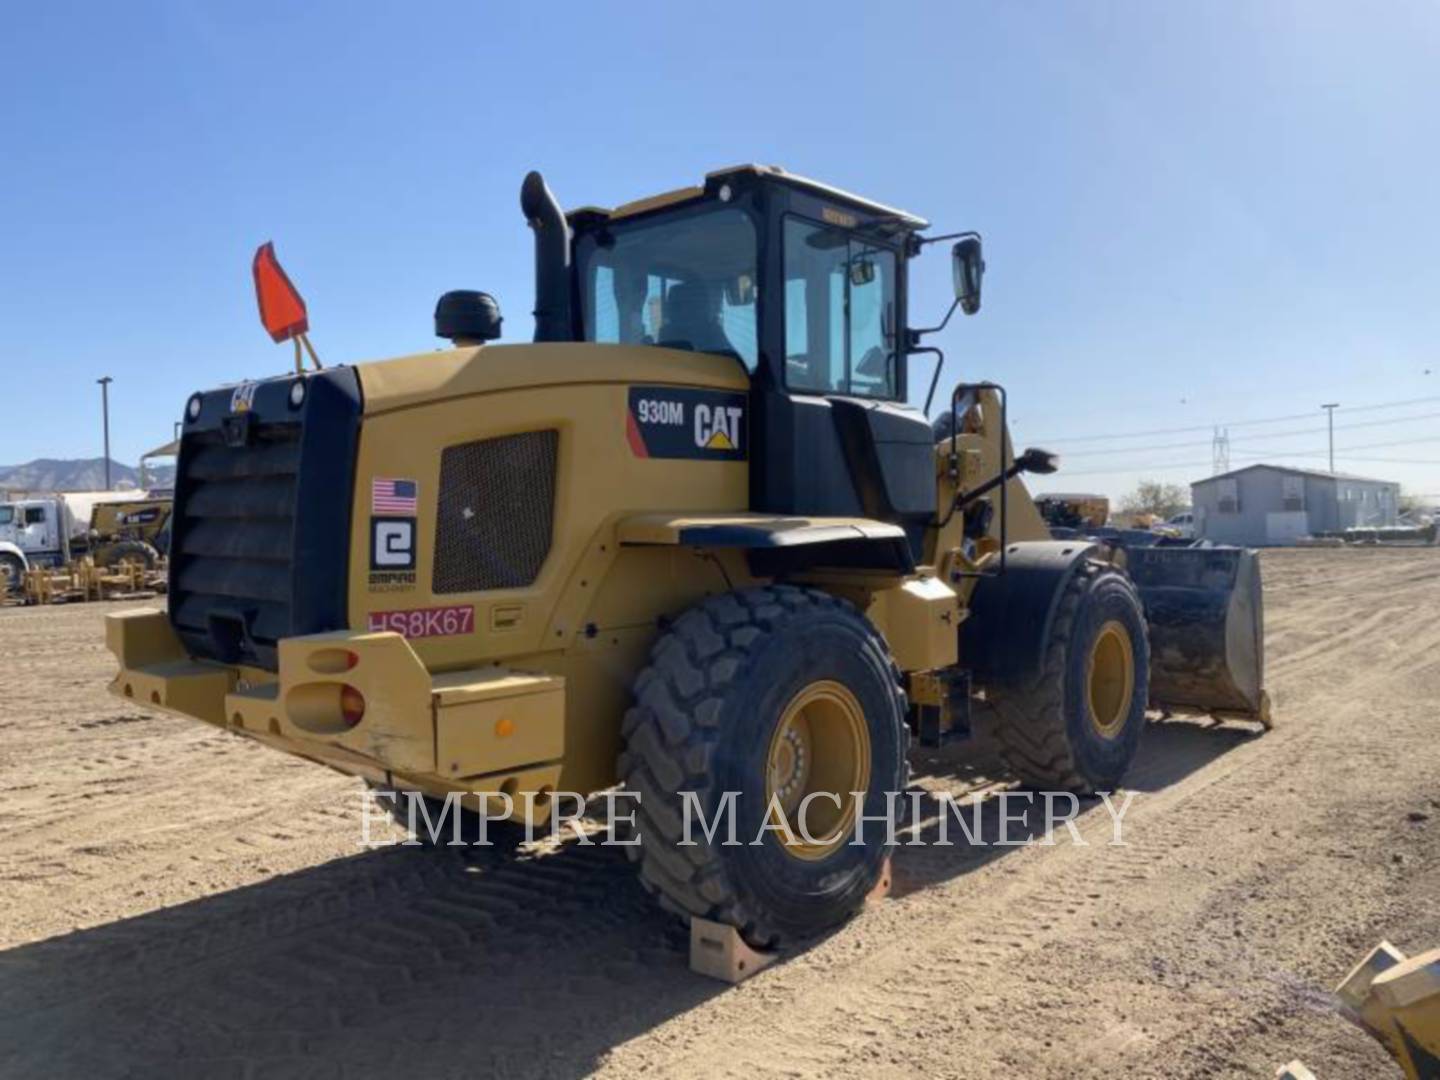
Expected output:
(7, 515)
(685, 282)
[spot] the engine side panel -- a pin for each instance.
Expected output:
(534, 529)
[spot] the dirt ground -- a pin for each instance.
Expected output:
(179, 902)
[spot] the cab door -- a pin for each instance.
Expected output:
(838, 437)
(38, 529)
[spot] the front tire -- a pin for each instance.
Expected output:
(1078, 729)
(774, 694)
(12, 574)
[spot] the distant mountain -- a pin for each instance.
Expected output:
(80, 474)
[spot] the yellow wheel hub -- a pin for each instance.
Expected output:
(820, 747)
(1110, 679)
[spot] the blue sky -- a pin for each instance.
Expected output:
(1193, 214)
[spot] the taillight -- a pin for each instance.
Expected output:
(352, 705)
(332, 661)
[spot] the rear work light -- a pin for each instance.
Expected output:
(352, 705)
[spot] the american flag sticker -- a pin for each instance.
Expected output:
(393, 496)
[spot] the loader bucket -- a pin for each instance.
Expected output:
(1207, 629)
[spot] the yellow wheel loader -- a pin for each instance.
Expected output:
(128, 532)
(691, 540)
(1071, 511)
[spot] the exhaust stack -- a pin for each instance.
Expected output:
(552, 260)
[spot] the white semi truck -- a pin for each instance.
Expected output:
(39, 532)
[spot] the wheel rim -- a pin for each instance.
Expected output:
(821, 744)
(1110, 679)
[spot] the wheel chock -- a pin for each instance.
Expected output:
(717, 950)
(882, 884)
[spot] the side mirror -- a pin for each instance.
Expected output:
(862, 271)
(1040, 462)
(969, 268)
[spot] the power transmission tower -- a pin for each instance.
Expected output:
(1330, 412)
(1220, 451)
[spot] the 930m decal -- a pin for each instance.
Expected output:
(680, 422)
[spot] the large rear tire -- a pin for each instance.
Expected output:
(774, 693)
(1078, 729)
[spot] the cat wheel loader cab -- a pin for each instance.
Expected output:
(691, 539)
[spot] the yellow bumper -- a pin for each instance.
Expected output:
(483, 730)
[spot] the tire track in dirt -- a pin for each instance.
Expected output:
(1193, 812)
(226, 924)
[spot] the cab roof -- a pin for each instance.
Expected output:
(770, 173)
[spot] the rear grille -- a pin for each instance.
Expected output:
(496, 512)
(237, 532)
(261, 527)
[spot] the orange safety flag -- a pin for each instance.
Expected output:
(281, 308)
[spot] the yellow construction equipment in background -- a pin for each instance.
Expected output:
(83, 580)
(1397, 1000)
(128, 532)
(1072, 511)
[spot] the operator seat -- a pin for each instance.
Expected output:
(692, 320)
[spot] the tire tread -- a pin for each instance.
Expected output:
(673, 728)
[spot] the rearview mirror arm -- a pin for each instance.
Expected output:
(965, 498)
(920, 241)
(916, 335)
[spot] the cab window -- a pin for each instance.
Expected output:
(34, 515)
(840, 319)
(685, 282)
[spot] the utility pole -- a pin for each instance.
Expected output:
(1330, 412)
(105, 413)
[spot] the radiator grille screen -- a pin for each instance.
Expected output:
(234, 548)
(496, 512)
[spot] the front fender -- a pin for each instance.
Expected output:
(1003, 639)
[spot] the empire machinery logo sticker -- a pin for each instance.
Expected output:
(680, 422)
(393, 541)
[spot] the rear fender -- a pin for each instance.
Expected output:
(777, 545)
